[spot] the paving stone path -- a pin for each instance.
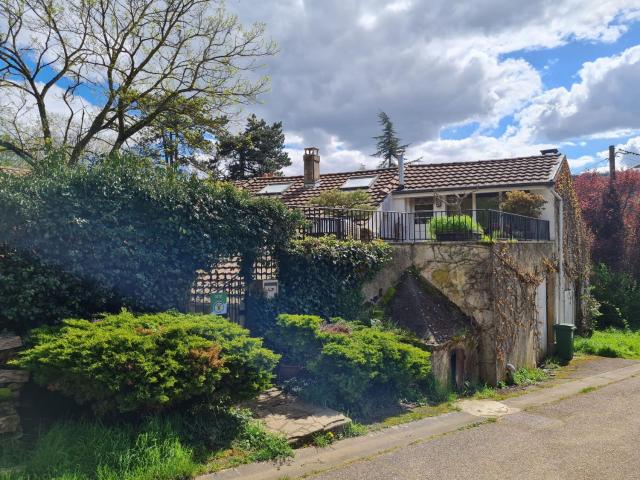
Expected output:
(298, 421)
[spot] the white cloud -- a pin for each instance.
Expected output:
(428, 64)
(603, 104)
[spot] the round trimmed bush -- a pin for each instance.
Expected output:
(127, 363)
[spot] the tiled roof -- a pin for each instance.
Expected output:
(299, 196)
(432, 176)
(483, 173)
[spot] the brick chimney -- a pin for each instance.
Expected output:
(311, 167)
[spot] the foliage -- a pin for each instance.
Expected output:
(32, 293)
(529, 376)
(453, 224)
(523, 203)
(610, 343)
(256, 151)
(125, 363)
(599, 210)
(352, 370)
(321, 276)
(618, 294)
(148, 56)
(161, 447)
(354, 199)
(134, 228)
(388, 146)
(181, 134)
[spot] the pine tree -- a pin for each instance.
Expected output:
(388, 144)
(256, 151)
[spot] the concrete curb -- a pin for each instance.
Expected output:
(312, 460)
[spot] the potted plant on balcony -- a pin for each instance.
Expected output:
(455, 228)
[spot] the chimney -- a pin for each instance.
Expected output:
(401, 171)
(311, 167)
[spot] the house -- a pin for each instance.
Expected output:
(512, 277)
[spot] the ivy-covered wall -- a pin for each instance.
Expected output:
(577, 259)
(319, 276)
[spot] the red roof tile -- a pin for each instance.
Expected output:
(431, 176)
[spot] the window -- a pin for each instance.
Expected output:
(274, 189)
(423, 209)
(487, 201)
(357, 182)
(457, 204)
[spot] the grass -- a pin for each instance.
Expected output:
(610, 343)
(588, 390)
(159, 448)
(529, 376)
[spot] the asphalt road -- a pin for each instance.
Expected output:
(593, 435)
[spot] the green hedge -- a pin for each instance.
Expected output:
(127, 363)
(33, 294)
(129, 226)
(320, 276)
(355, 367)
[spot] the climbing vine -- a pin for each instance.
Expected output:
(577, 259)
(514, 299)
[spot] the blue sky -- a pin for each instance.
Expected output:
(461, 80)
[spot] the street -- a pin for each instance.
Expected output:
(592, 435)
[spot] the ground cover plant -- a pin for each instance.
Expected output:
(163, 447)
(149, 363)
(610, 343)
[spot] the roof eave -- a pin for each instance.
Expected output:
(407, 191)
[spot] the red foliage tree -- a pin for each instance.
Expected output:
(613, 217)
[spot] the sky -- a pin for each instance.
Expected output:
(461, 80)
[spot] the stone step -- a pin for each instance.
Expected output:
(14, 376)
(298, 421)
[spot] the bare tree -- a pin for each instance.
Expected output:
(120, 54)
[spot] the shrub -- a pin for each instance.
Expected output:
(618, 294)
(523, 203)
(454, 224)
(129, 363)
(352, 370)
(320, 276)
(134, 228)
(33, 294)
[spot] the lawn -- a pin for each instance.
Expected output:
(610, 343)
(158, 448)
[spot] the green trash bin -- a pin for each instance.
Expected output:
(564, 340)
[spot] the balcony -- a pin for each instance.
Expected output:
(436, 226)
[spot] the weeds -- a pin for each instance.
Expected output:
(529, 376)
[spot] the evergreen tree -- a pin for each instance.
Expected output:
(388, 144)
(256, 151)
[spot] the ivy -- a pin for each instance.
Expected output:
(320, 276)
(136, 229)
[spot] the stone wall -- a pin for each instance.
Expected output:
(11, 382)
(466, 274)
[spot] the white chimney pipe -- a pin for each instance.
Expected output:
(401, 171)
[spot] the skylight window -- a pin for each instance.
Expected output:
(274, 189)
(358, 182)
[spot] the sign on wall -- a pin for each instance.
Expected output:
(270, 288)
(219, 303)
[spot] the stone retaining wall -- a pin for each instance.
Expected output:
(11, 382)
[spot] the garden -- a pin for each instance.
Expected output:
(95, 269)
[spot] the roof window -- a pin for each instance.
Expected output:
(357, 182)
(274, 188)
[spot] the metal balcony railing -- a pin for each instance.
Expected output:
(468, 225)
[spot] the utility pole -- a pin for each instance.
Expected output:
(612, 166)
